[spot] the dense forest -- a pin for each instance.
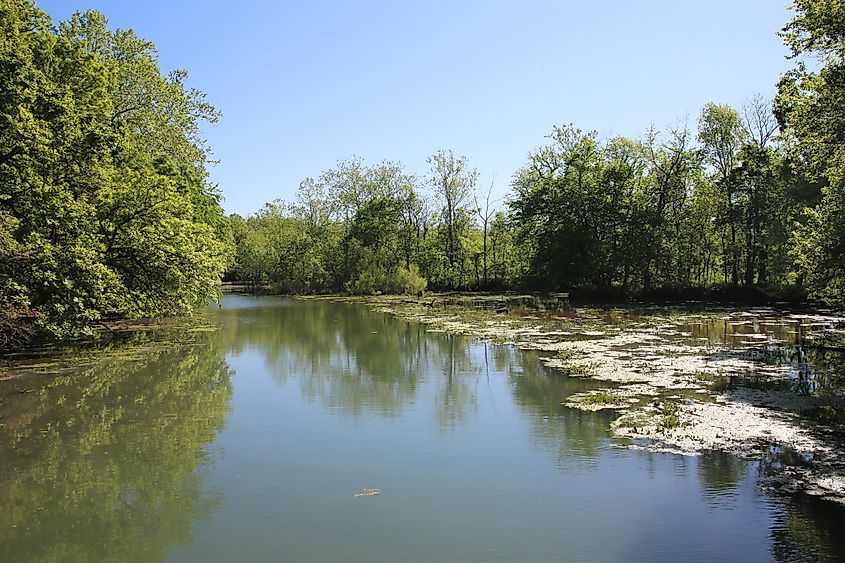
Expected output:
(750, 202)
(105, 205)
(107, 211)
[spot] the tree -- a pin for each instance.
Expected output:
(485, 216)
(760, 196)
(810, 107)
(550, 207)
(453, 182)
(104, 199)
(759, 121)
(672, 170)
(721, 133)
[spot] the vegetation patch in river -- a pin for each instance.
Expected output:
(599, 399)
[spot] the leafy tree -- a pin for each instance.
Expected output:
(104, 199)
(453, 182)
(722, 135)
(760, 196)
(810, 106)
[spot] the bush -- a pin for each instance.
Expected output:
(410, 281)
(402, 281)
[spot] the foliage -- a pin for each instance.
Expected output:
(810, 106)
(750, 202)
(602, 398)
(363, 229)
(669, 416)
(104, 200)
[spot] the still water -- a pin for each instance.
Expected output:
(250, 442)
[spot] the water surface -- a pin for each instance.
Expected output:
(249, 443)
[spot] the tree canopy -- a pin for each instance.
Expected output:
(105, 204)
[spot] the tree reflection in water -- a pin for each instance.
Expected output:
(362, 363)
(108, 464)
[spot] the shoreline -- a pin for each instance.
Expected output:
(674, 391)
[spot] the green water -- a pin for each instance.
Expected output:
(250, 442)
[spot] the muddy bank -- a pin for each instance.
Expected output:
(755, 382)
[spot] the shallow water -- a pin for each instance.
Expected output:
(251, 443)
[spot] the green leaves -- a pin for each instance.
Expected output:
(811, 109)
(102, 179)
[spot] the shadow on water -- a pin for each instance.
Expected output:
(808, 529)
(107, 463)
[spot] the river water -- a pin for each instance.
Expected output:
(250, 443)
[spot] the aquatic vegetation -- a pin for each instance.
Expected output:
(597, 400)
(713, 355)
(634, 420)
(670, 419)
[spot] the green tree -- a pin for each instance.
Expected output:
(810, 107)
(104, 199)
(721, 133)
(453, 182)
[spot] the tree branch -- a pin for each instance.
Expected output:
(10, 155)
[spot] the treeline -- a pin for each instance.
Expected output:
(105, 205)
(752, 200)
(672, 210)
(366, 228)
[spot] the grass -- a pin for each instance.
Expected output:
(602, 398)
(566, 354)
(669, 416)
(580, 370)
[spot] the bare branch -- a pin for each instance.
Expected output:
(758, 119)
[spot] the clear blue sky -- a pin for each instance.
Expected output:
(304, 84)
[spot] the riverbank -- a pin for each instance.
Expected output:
(750, 381)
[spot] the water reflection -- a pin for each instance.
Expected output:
(360, 364)
(720, 473)
(107, 463)
(338, 351)
(469, 441)
(808, 529)
(363, 363)
(573, 436)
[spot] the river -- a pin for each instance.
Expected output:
(250, 442)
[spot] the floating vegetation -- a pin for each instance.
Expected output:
(128, 341)
(670, 418)
(597, 400)
(634, 420)
(746, 378)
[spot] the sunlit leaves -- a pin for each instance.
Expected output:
(102, 178)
